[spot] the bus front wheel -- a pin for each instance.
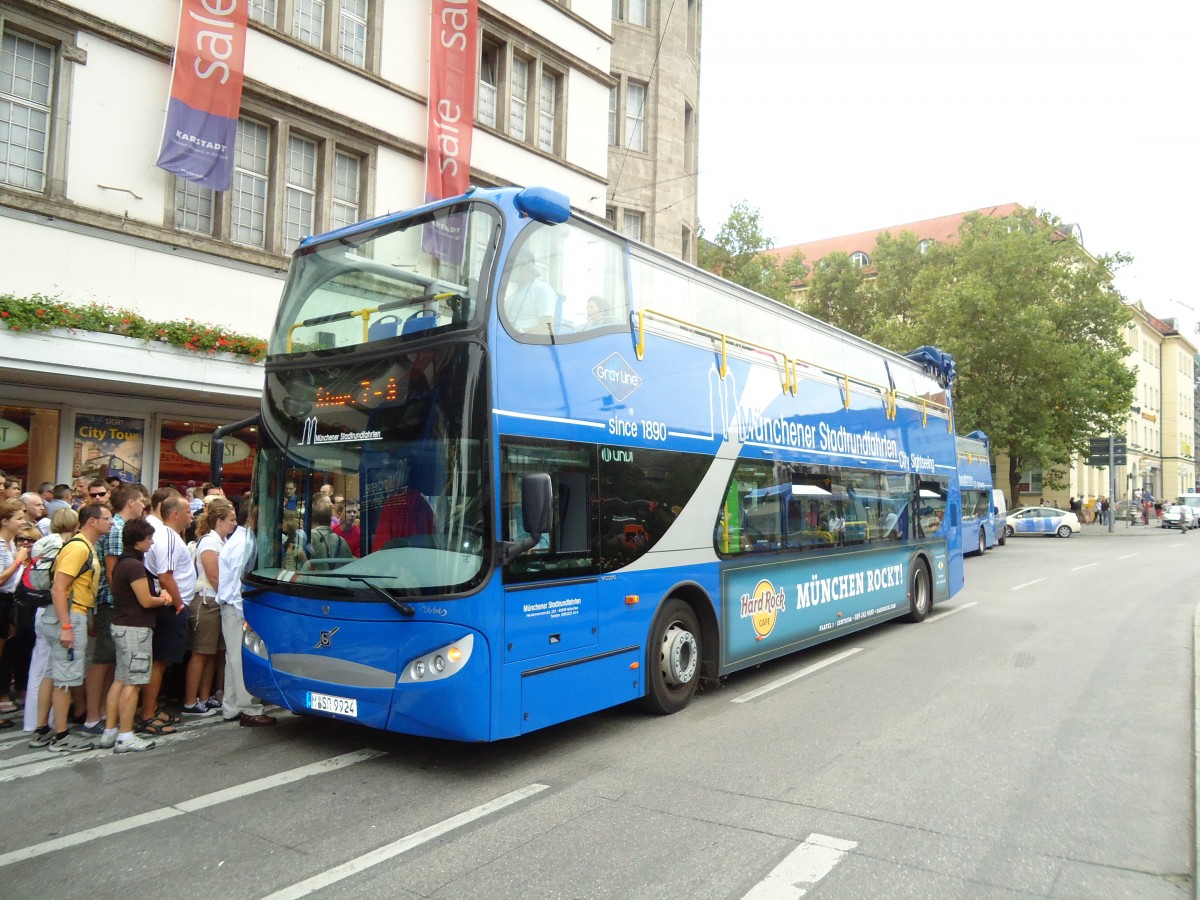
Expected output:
(920, 596)
(673, 658)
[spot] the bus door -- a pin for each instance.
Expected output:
(551, 614)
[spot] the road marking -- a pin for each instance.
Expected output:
(1088, 566)
(1027, 584)
(187, 806)
(1176, 545)
(951, 612)
(801, 869)
(1127, 556)
(416, 839)
(788, 679)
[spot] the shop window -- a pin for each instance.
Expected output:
(29, 444)
(183, 456)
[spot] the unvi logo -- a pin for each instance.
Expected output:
(617, 376)
(763, 606)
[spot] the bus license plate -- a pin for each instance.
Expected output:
(343, 706)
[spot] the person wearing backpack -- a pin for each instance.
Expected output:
(65, 625)
(63, 526)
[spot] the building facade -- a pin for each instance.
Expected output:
(1160, 434)
(331, 130)
(653, 123)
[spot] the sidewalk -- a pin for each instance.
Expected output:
(1124, 529)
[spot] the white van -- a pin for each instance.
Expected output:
(1000, 515)
(1192, 501)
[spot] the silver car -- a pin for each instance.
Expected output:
(1177, 516)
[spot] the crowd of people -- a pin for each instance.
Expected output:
(143, 592)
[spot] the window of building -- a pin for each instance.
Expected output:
(689, 139)
(632, 224)
(518, 97)
(300, 192)
(489, 82)
(685, 244)
(520, 94)
(263, 12)
(26, 93)
(635, 115)
(547, 107)
(860, 259)
(614, 105)
(693, 26)
(637, 12)
(923, 246)
(315, 185)
(341, 28)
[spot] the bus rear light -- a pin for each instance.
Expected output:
(632, 599)
(438, 664)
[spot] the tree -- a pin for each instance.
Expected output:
(739, 254)
(1036, 332)
(836, 295)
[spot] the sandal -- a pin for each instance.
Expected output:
(165, 718)
(6, 723)
(7, 706)
(152, 727)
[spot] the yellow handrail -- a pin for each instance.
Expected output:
(792, 366)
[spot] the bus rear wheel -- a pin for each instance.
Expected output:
(982, 542)
(672, 659)
(920, 595)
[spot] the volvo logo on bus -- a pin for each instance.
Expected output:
(617, 376)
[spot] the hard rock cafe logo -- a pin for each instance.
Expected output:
(763, 607)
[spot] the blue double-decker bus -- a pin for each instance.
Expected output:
(587, 474)
(980, 530)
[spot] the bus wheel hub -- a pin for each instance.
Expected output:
(679, 656)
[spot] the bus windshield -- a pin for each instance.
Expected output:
(390, 449)
(398, 278)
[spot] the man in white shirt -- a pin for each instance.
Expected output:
(237, 556)
(170, 562)
(531, 302)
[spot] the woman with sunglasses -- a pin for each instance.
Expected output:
(14, 664)
(12, 560)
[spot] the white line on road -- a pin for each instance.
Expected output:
(788, 679)
(801, 869)
(179, 809)
(1127, 556)
(1088, 566)
(1026, 584)
(416, 839)
(951, 612)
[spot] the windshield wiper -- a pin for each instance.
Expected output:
(400, 605)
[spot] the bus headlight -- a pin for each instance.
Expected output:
(252, 642)
(440, 663)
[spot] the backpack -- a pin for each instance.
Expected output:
(34, 588)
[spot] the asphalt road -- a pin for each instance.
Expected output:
(1033, 738)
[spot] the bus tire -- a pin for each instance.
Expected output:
(982, 542)
(672, 659)
(920, 593)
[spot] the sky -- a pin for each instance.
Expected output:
(832, 117)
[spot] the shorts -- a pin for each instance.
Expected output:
(134, 649)
(7, 602)
(204, 626)
(101, 651)
(66, 667)
(170, 635)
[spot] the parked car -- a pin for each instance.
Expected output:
(1179, 516)
(1042, 520)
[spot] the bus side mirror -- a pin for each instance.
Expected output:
(537, 498)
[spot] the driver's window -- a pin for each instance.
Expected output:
(569, 548)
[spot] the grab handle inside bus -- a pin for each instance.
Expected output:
(216, 449)
(537, 497)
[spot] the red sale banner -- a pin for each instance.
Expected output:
(206, 92)
(454, 37)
